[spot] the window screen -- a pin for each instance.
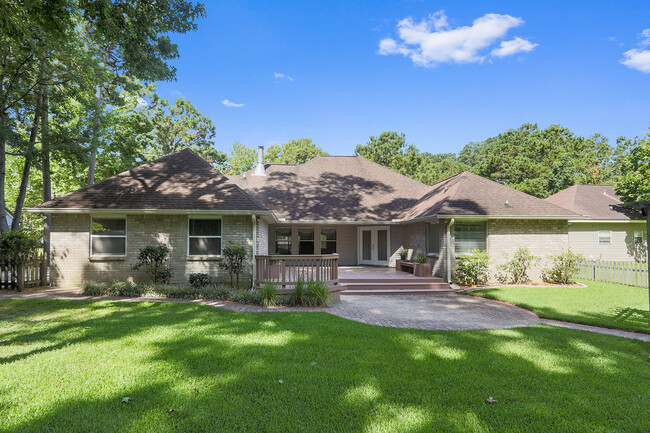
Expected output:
(283, 240)
(433, 238)
(328, 240)
(638, 237)
(108, 237)
(604, 236)
(470, 236)
(204, 237)
(305, 241)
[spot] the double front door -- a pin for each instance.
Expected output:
(374, 245)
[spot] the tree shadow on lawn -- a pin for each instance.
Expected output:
(628, 319)
(226, 371)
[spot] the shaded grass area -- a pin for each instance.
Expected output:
(600, 304)
(67, 365)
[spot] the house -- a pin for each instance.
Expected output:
(364, 212)
(610, 231)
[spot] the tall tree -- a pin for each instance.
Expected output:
(634, 184)
(293, 152)
(242, 158)
(391, 150)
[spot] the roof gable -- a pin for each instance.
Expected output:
(179, 181)
(594, 201)
(467, 194)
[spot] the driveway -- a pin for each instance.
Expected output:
(446, 312)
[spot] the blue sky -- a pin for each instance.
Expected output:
(446, 74)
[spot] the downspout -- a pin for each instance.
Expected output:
(448, 248)
(254, 219)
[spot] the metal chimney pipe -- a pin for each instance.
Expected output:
(259, 170)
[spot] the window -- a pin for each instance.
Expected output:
(638, 237)
(108, 237)
(469, 236)
(204, 237)
(433, 238)
(283, 240)
(327, 240)
(604, 236)
(305, 241)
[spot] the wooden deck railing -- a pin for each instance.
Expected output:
(28, 271)
(286, 270)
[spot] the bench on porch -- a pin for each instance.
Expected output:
(405, 266)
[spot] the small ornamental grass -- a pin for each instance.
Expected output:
(269, 294)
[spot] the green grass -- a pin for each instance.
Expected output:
(599, 304)
(67, 365)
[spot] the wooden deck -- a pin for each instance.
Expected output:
(367, 280)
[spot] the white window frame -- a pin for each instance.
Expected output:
(601, 240)
(107, 217)
(335, 241)
(640, 233)
(206, 237)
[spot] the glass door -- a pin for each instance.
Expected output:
(374, 246)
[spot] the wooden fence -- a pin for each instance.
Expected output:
(627, 273)
(286, 270)
(28, 271)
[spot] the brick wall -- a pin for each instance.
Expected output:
(542, 237)
(416, 242)
(72, 264)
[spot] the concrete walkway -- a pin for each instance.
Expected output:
(432, 312)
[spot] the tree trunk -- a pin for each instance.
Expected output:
(47, 179)
(3, 155)
(29, 155)
(94, 144)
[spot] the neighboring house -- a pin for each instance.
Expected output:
(348, 205)
(611, 231)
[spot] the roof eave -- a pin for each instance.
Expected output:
(42, 210)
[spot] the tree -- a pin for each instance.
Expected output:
(634, 184)
(293, 152)
(181, 125)
(434, 168)
(391, 150)
(242, 159)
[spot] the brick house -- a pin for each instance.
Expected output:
(348, 205)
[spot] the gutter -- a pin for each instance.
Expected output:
(98, 211)
(448, 247)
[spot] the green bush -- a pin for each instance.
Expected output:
(251, 297)
(421, 259)
(297, 295)
(269, 294)
(199, 280)
(14, 244)
(564, 267)
(125, 288)
(94, 288)
(154, 259)
(317, 295)
(516, 269)
(472, 269)
(233, 259)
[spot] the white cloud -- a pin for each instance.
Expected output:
(514, 46)
(229, 103)
(142, 102)
(432, 41)
(279, 76)
(639, 58)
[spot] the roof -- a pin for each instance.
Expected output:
(179, 181)
(467, 194)
(340, 188)
(595, 201)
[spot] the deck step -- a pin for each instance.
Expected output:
(398, 292)
(391, 280)
(395, 286)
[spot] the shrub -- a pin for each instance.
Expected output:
(317, 295)
(199, 280)
(269, 294)
(421, 259)
(297, 295)
(472, 269)
(154, 258)
(125, 288)
(94, 288)
(564, 267)
(517, 268)
(251, 297)
(233, 259)
(14, 244)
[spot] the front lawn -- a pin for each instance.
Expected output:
(599, 304)
(68, 365)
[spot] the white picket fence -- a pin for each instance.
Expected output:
(627, 273)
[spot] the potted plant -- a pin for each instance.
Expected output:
(402, 258)
(422, 268)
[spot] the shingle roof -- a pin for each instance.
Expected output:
(341, 188)
(180, 181)
(595, 201)
(468, 194)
